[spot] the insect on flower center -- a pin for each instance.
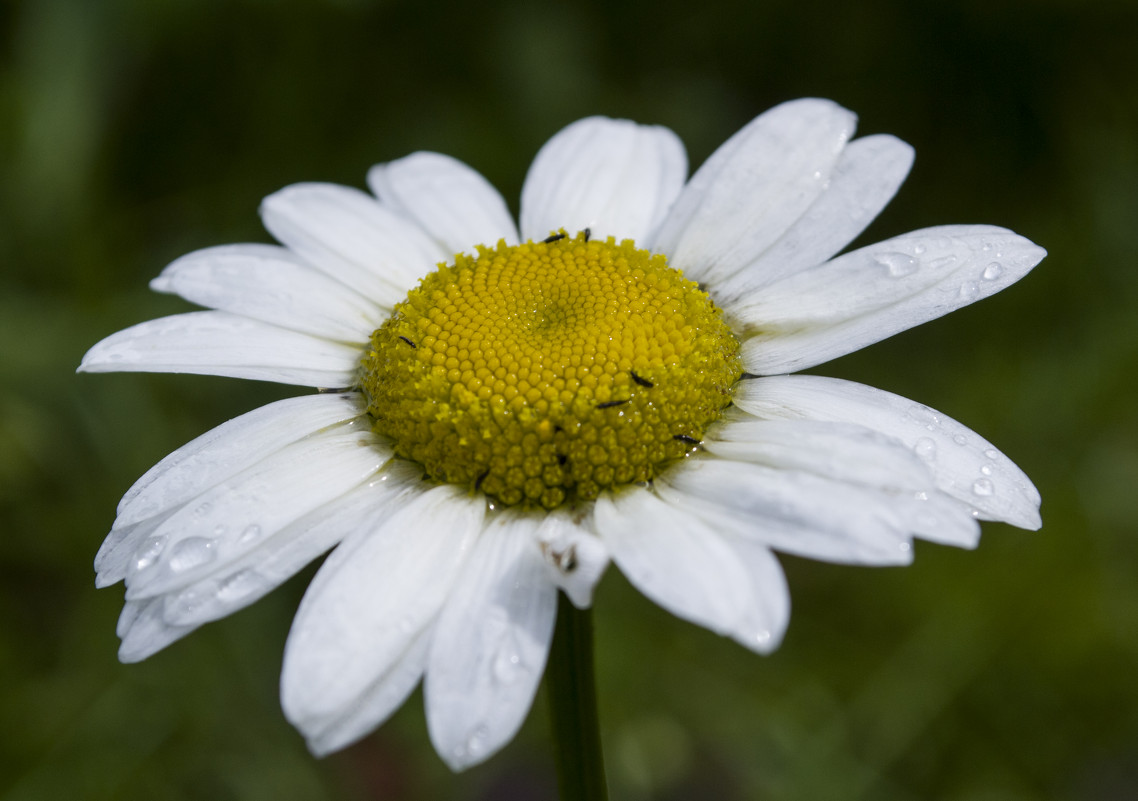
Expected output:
(546, 372)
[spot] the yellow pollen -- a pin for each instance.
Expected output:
(544, 373)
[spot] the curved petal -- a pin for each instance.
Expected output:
(868, 174)
(613, 177)
(270, 559)
(674, 559)
(227, 521)
(453, 203)
(208, 460)
(790, 511)
(347, 234)
(575, 558)
(490, 644)
(875, 292)
(753, 188)
(370, 600)
(270, 284)
(219, 343)
(964, 465)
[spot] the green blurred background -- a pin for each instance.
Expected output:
(132, 131)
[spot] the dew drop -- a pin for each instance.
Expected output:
(986, 470)
(926, 449)
(919, 248)
(982, 487)
(148, 552)
(960, 439)
(992, 453)
(942, 262)
(203, 509)
(898, 264)
(218, 531)
(969, 290)
(762, 637)
(192, 552)
(477, 741)
(507, 667)
(250, 533)
(905, 547)
(992, 271)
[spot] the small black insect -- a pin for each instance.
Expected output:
(478, 481)
(409, 342)
(644, 382)
(610, 404)
(562, 459)
(588, 233)
(687, 439)
(553, 238)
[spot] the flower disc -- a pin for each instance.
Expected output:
(545, 372)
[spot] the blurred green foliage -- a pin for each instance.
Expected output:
(133, 131)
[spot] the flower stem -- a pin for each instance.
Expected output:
(573, 706)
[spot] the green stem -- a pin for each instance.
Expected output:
(573, 706)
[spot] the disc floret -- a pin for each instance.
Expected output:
(546, 372)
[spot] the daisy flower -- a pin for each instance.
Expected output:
(503, 410)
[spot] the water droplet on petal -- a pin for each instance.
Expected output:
(969, 290)
(925, 447)
(191, 552)
(905, 547)
(982, 487)
(992, 453)
(250, 533)
(992, 271)
(507, 667)
(919, 248)
(477, 741)
(941, 263)
(148, 552)
(959, 439)
(898, 264)
(986, 470)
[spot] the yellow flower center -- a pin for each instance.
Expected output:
(546, 372)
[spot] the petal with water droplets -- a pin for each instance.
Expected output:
(490, 644)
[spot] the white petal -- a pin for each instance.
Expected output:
(766, 617)
(273, 558)
(674, 559)
(369, 601)
(270, 284)
(490, 644)
(965, 466)
(455, 205)
(227, 521)
(938, 517)
(350, 236)
(868, 173)
(575, 558)
(219, 343)
(144, 631)
(872, 293)
(841, 451)
(376, 704)
(753, 188)
(613, 177)
(207, 461)
(790, 511)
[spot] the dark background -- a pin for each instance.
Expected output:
(133, 131)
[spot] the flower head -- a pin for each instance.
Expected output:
(511, 412)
